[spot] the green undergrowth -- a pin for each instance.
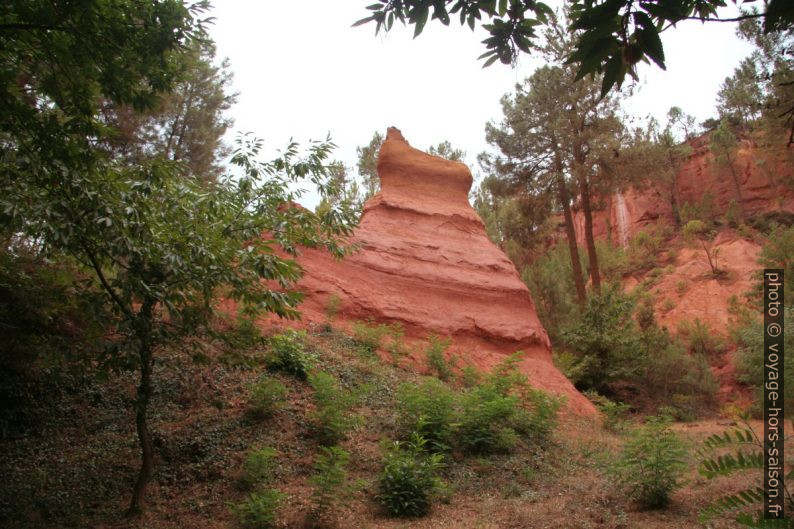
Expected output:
(355, 443)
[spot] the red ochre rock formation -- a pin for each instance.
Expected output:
(760, 177)
(426, 263)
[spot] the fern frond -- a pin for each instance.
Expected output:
(732, 502)
(728, 438)
(728, 463)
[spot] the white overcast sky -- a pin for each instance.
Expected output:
(302, 72)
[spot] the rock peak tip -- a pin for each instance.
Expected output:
(393, 133)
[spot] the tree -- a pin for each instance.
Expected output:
(559, 132)
(615, 34)
(678, 119)
(346, 193)
(531, 162)
(187, 124)
(158, 244)
(760, 93)
(696, 230)
(739, 98)
(447, 151)
(723, 144)
(368, 164)
(653, 157)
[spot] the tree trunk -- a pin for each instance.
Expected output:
(144, 334)
(738, 189)
(674, 207)
(592, 255)
(578, 280)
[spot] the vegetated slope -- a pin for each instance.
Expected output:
(681, 282)
(71, 463)
(425, 263)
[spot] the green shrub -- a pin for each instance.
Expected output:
(486, 420)
(669, 376)
(613, 261)
(288, 354)
(614, 413)
(652, 463)
(573, 366)
(470, 376)
(749, 336)
(537, 417)
(645, 248)
(702, 210)
(332, 306)
(266, 397)
(409, 479)
(733, 215)
(680, 286)
(331, 419)
(369, 335)
(555, 300)
(396, 346)
(496, 411)
(700, 338)
(429, 410)
(435, 357)
(258, 467)
(604, 337)
(694, 229)
(259, 510)
(330, 485)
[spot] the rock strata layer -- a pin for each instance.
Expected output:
(426, 263)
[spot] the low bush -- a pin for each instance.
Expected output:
(651, 464)
(258, 468)
(409, 479)
(670, 376)
(700, 338)
(645, 248)
(369, 335)
(259, 510)
(470, 376)
(429, 410)
(329, 484)
(332, 306)
(486, 421)
(288, 354)
(267, 396)
(396, 346)
(749, 336)
(605, 339)
(703, 210)
(503, 409)
(435, 357)
(331, 419)
(614, 413)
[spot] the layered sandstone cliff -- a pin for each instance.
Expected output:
(426, 263)
(760, 174)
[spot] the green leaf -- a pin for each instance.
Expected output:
(363, 21)
(420, 19)
(651, 44)
(612, 71)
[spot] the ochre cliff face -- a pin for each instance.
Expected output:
(426, 263)
(760, 176)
